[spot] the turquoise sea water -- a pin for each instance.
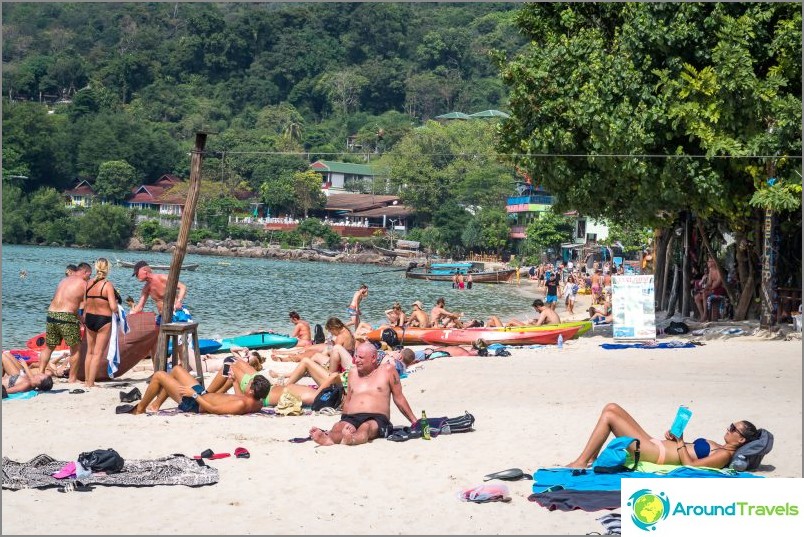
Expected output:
(230, 296)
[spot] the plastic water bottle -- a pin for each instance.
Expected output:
(560, 341)
(425, 426)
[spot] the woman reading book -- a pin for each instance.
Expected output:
(672, 450)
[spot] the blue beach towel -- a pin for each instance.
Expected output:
(663, 345)
(22, 395)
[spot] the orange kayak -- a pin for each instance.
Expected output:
(416, 336)
(511, 337)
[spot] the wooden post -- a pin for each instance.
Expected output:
(187, 218)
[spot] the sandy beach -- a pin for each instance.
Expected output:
(533, 409)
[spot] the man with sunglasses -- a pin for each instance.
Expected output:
(367, 407)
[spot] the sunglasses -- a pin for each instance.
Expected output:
(733, 429)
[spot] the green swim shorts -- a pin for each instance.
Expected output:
(62, 325)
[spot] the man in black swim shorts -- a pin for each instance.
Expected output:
(367, 407)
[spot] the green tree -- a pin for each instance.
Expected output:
(115, 180)
(105, 226)
(495, 229)
(16, 228)
(310, 228)
(49, 218)
(545, 234)
(279, 193)
(215, 212)
(307, 194)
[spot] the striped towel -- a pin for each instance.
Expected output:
(113, 354)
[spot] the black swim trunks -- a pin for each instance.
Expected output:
(356, 420)
(188, 404)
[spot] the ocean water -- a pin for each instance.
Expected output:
(230, 296)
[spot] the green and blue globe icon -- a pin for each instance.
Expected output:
(648, 508)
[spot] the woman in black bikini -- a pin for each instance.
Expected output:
(702, 452)
(100, 305)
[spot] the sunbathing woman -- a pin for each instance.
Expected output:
(241, 374)
(343, 337)
(702, 452)
(17, 378)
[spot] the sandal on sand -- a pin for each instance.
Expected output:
(512, 474)
(77, 390)
(328, 411)
(130, 397)
(242, 453)
(406, 433)
(209, 454)
(76, 486)
(124, 409)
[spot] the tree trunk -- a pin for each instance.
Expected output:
(668, 259)
(660, 237)
(685, 269)
(671, 307)
(768, 289)
(745, 272)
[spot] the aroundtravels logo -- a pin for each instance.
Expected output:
(648, 508)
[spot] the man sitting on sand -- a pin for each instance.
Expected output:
(367, 407)
(440, 317)
(546, 316)
(184, 388)
(17, 378)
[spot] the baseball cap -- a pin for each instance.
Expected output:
(418, 303)
(138, 265)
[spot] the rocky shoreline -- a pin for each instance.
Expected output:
(245, 248)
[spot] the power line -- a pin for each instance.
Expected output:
(531, 155)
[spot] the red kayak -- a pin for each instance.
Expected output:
(511, 337)
(37, 342)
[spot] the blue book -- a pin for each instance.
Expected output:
(680, 423)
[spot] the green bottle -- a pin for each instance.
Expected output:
(425, 426)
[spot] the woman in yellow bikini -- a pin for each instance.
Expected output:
(702, 452)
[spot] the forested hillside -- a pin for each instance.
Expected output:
(136, 81)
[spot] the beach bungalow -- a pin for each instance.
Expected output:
(81, 195)
(343, 177)
(156, 197)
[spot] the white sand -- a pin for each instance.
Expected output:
(534, 409)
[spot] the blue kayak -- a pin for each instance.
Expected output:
(258, 340)
(208, 346)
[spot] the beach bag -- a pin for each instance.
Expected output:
(613, 458)
(677, 328)
(318, 334)
(101, 460)
(331, 396)
(750, 455)
(389, 337)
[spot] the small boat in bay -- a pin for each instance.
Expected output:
(185, 266)
(486, 276)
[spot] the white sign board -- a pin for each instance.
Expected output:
(633, 307)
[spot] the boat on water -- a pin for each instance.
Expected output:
(185, 266)
(397, 252)
(443, 275)
(258, 340)
(415, 336)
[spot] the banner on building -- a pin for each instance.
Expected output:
(633, 307)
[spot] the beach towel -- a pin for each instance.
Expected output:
(171, 470)
(113, 354)
(265, 413)
(584, 500)
(663, 345)
(22, 395)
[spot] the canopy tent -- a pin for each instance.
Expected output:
(490, 113)
(453, 115)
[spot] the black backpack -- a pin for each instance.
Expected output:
(389, 337)
(318, 334)
(331, 396)
(753, 452)
(101, 460)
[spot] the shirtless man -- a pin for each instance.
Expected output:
(183, 388)
(301, 330)
(155, 289)
(418, 318)
(440, 317)
(367, 407)
(546, 315)
(62, 319)
(354, 306)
